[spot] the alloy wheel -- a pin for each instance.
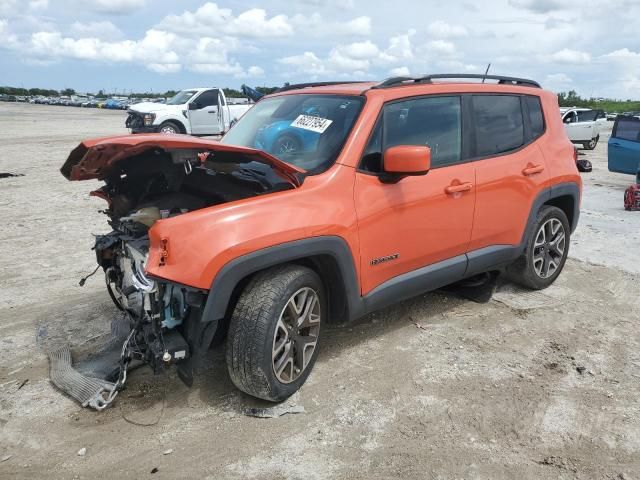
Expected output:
(548, 248)
(296, 335)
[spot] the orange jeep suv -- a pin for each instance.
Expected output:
(323, 203)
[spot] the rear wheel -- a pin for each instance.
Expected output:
(591, 144)
(274, 332)
(546, 250)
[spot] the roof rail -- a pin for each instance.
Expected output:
(399, 81)
(297, 86)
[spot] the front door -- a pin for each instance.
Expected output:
(421, 220)
(624, 146)
(204, 114)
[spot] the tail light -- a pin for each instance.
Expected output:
(575, 155)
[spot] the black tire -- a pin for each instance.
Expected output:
(169, 125)
(286, 144)
(252, 331)
(524, 270)
(592, 144)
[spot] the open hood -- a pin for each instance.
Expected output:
(95, 158)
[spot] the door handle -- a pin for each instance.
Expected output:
(461, 187)
(211, 111)
(615, 145)
(532, 169)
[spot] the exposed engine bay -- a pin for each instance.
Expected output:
(165, 318)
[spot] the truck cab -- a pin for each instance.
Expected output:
(194, 111)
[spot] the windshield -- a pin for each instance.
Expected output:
(307, 131)
(181, 97)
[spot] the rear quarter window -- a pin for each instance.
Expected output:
(498, 123)
(536, 119)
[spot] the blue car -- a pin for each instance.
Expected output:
(624, 146)
(281, 138)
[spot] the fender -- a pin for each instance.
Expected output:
(233, 272)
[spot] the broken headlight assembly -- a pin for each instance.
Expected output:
(149, 118)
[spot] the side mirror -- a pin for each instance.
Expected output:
(193, 106)
(405, 160)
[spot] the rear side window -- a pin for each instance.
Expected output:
(536, 119)
(433, 121)
(627, 129)
(499, 124)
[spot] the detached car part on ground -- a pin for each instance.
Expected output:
(219, 241)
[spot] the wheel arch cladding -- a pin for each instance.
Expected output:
(563, 195)
(329, 256)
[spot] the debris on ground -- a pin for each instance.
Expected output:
(23, 383)
(274, 412)
(168, 452)
(559, 462)
(580, 369)
(5, 458)
(82, 452)
(9, 175)
(154, 470)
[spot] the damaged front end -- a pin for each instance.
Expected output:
(147, 180)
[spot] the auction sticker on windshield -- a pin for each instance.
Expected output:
(315, 124)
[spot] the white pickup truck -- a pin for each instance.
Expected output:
(195, 111)
(582, 126)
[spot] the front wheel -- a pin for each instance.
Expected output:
(274, 332)
(169, 127)
(545, 252)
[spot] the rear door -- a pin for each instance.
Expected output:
(420, 220)
(510, 167)
(624, 146)
(576, 126)
(205, 114)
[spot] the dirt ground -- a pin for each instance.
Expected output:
(536, 386)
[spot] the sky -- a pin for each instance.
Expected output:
(155, 45)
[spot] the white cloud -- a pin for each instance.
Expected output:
(441, 47)
(558, 82)
(104, 30)
(209, 19)
(442, 29)
(567, 55)
(400, 48)
(255, 71)
(360, 50)
(38, 4)
(623, 54)
(164, 67)
(306, 63)
(400, 72)
(116, 7)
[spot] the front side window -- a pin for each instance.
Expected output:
(499, 124)
(207, 99)
(627, 129)
(305, 130)
(434, 122)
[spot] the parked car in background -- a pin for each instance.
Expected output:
(612, 116)
(624, 146)
(195, 111)
(581, 126)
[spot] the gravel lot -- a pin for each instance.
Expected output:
(540, 386)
